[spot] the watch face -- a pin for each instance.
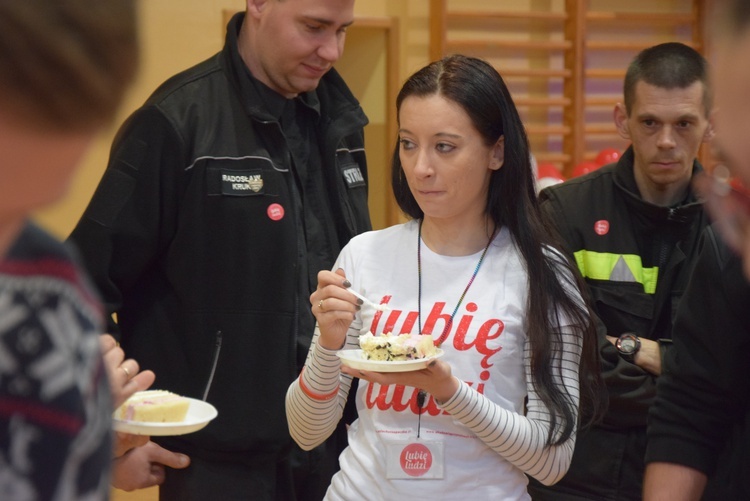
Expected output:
(627, 345)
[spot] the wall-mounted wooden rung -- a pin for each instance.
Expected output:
(667, 18)
(600, 128)
(635, 45)
(551, 157)
(605, 73)
(548, 130)
(484, 45)
(542, 101)
(500, 15)
(602, 100)
(534, 72)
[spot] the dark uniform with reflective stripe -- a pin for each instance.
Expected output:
(636, 258)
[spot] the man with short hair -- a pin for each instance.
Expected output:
(226, 192)
(699, 425)
(633, 227)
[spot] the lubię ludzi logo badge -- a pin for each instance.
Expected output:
(601, 227)
(416, 459)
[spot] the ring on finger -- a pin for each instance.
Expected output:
(320, 305)
(126, 371)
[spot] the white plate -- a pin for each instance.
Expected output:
(356, 360)
(198, 415)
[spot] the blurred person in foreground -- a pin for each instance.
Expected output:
(699, 425)
(476, 268)
(225, 193)
(64, 66)
(634, 228)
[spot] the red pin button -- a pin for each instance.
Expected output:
(275, 212)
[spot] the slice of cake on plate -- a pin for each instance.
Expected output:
(154, 406)
(393, 348)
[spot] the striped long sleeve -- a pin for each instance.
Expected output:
(520, 439)
(311, 421)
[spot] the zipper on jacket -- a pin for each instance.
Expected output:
(214, 363)
(665, 242)
(297, 192)
(677, 215)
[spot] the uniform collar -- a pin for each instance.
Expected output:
(259, 99)
(625, 181)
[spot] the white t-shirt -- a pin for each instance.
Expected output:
(482, 427)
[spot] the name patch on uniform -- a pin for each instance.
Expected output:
(241, 183)
(353, 176)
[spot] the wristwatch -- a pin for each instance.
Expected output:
(628, 345)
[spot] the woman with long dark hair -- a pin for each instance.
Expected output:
(476, 268)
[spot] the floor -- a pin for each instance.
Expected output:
(151, 494)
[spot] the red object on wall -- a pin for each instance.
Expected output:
(607, 156)
(549, 170)
(584, 168)
(547, 175)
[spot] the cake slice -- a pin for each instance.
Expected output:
(391, 347)
(154, 406)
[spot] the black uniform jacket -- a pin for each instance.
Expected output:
(192, 239)
(636, 259)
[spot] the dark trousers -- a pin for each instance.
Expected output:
(228, 481)
(608, 465)
(298, 476)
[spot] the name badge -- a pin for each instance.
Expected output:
(241, 183)
(415, 459)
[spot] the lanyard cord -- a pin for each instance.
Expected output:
(449, 323)
(422, 394)
(420, 403)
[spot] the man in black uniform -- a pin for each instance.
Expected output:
(633, 227)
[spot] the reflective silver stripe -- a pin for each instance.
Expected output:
(235, 158)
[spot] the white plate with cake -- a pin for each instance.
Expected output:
(162, 413)
(391, 353)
